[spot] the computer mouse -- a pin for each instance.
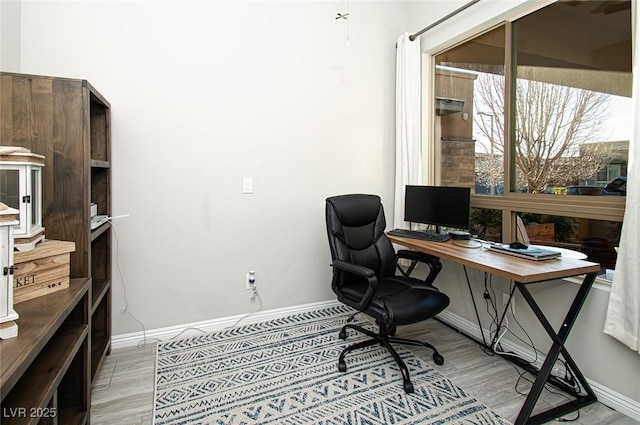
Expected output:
(518, 245)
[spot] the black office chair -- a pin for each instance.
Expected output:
(364, 265)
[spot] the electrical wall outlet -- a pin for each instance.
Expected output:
(247, 185)
(251, 280)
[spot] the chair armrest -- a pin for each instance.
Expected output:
(353, 268)
(417, 256)
(361, 271)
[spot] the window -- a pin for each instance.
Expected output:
(456, 115)
(607, 175)
(534, 115)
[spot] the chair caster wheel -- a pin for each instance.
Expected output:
(342, 366)
(342, 334)
(438, 359)
(408, 387)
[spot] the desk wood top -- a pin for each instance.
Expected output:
(517, 269)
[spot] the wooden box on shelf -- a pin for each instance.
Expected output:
(41, 271)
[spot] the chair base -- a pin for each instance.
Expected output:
(383, 338)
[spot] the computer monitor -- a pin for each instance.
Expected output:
(441, 206)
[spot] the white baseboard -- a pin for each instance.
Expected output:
(605, 395)
(197, 328)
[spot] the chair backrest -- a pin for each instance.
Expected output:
(355, 227)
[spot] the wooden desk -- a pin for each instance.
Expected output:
(525, 272)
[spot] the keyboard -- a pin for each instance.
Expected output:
(426, 235)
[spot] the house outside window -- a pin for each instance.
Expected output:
(534, 115)
(606, 175)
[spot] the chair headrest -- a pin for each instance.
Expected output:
(356, 210)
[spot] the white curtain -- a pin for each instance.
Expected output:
(623, 314)
(408, 146)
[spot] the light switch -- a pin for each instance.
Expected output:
(247, 185)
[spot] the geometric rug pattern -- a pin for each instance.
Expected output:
(285, 371)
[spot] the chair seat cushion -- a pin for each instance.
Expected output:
(400, 300)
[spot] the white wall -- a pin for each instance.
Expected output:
(423, 13)
(204, 94)
(610, 365)
(10, 35)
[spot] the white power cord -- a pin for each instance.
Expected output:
(143, 342)
(255, 295)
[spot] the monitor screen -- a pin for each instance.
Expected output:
(438, 205)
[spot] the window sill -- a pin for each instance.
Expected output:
(600, 283)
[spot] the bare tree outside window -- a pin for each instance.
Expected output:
(558, 130)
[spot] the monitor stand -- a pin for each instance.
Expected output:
(459, 234)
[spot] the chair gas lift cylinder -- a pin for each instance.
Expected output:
(8, 326)
(21, 188)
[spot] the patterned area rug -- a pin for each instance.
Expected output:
(285, 372)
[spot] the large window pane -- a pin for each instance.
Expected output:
(537, 112)
(486, 224)
(597, 239)
(468, 121)
(572, 96)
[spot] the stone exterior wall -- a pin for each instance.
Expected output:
(458, 162)
(456, 129)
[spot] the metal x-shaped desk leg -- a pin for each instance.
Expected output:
(559, 338)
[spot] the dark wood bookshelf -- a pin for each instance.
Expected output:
(69, 122)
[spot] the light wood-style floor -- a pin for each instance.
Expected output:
(123, 390)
